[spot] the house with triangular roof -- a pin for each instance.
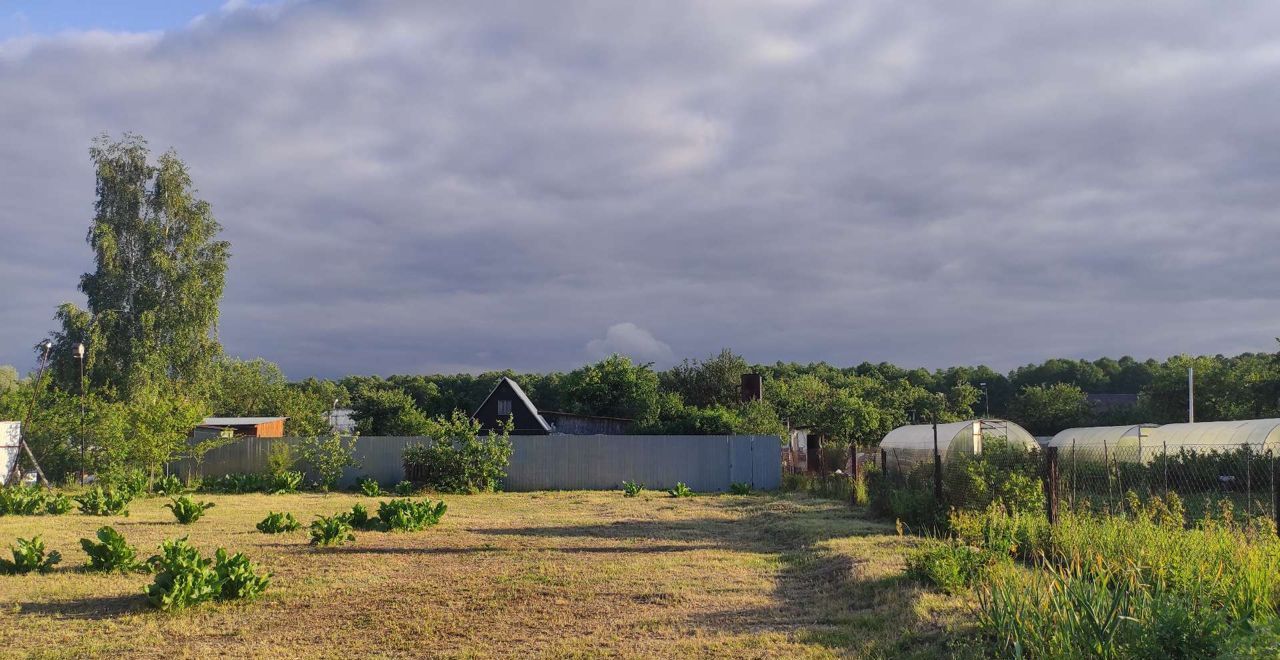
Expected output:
(508, 400)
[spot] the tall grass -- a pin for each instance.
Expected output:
(1139, 585)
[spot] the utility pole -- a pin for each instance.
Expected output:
(80, 357)
(986, 400)
(1191, 394)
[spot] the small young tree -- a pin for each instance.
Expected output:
(460, 459)
(327, 456)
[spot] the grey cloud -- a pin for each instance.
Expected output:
(434, 186)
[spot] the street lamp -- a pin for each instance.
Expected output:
(80, 356)
(986, 399)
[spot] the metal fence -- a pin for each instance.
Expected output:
(1205, 481)
(553, 462)
(1208, 481)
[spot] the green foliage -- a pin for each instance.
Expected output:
(57, 504)
(28, 556)
(405, 488)
(680, 490)
(111, 553)
(1048, 409)
(613, 387)
(99, 501)
(187, 510)
(239, 577)
(1022, 534)
(359, 518)
(740, 488)
(368, 486)
(277, 523)
(285, 482)
(949, 565)
(236, 483)
(160, 270)
(331, 530)
(703, 383)
(327, 456)
(21, 500)
(631, 488)
(169, 484)
(380, 411)
(1004, 473)
(460, 459)
(132, 481)
(407, 515)
(183, 578)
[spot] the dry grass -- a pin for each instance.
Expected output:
(570, 574)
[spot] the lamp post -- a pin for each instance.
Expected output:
(80, 357)
(986, 400)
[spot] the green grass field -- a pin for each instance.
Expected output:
(510, 574)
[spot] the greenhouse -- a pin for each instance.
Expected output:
(914, 443)
(1123, 443)
(1259, 435)
(1144, 442)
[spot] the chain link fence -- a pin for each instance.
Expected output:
(1207, 481)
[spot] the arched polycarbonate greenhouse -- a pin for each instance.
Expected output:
(1124, 443)
(914, 443)
(1143, 443)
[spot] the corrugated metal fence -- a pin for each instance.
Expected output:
(556, 462)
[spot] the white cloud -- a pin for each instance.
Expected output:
(631, 340)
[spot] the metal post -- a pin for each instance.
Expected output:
(80, 355)
(853, 473)
(1106, 468)
(1191, 394)
(1075, 475)
(1165, 446)
(937, 464)
(1275, 493)
(1051, 485)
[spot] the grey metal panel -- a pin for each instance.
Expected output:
(556, 462)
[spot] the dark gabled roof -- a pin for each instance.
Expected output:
(524, 399)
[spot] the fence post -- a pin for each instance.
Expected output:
(1051, 485)
(937, 466)
(1165, 447)
(884, 463)
(853, 473)
(1275, 493)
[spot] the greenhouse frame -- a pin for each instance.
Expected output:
(912, 444)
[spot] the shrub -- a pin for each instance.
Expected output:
(20, 500)
(369, 487)
(183, 578)
(404, 488)
(410, 516)
(28, 556)
(328, 456)
(276, 523)
(130, 482)
(235, 484)
(187, 510)
(99, 501)
(1022, 535)
(285, 482)
(680, 490)
(331, 530)
(169, 484)
(459, 459)
(359, 518)
(110, 553)
(631, 488)
(238, 576)
(950, 565)
(57, 504)
(740, 488)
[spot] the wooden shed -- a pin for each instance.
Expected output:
(243, 427)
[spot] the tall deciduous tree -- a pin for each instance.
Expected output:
(159, 274)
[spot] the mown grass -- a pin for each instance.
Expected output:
(570, 574)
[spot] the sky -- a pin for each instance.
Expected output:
(417, 187)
